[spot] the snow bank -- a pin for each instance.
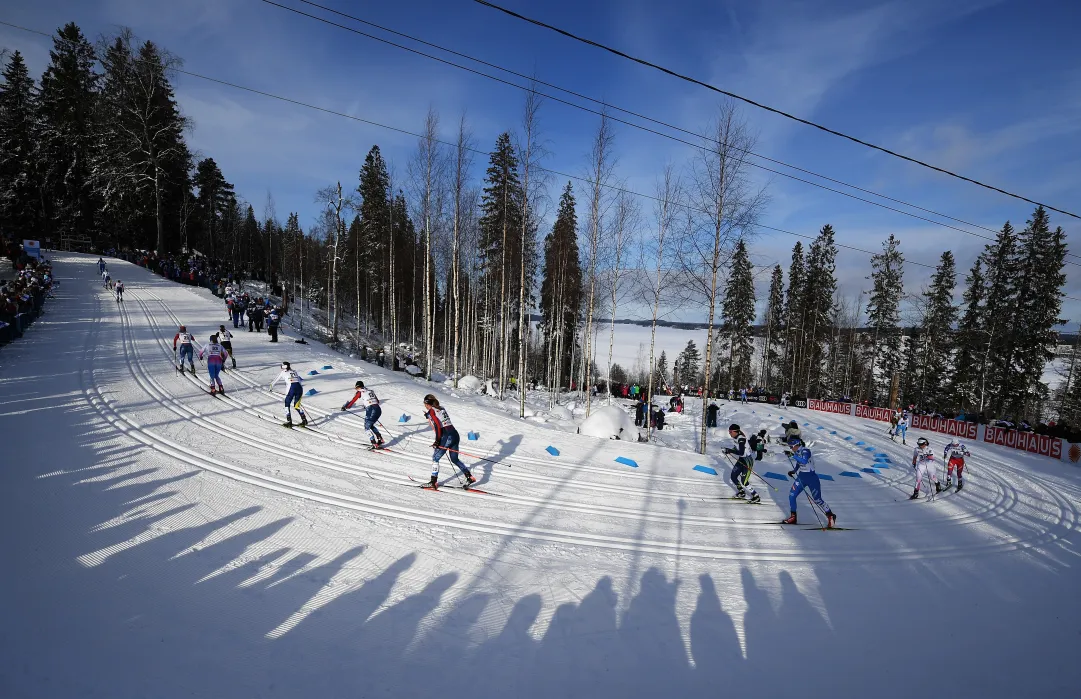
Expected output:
(438, 377)
(609, 422)
(560, 413)
(413, 370)
(469, 383)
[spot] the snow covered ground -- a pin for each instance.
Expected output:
(162, 543)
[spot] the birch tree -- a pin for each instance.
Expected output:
(727, 206)
(601, 165)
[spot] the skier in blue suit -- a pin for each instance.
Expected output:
(804, 476)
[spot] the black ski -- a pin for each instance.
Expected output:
(830, 529)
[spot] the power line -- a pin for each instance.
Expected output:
(630, 123)
(406, 132)
(751, 102)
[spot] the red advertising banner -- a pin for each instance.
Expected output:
(881, 414)
(830, 406)
(1026, 441)
(961, 428)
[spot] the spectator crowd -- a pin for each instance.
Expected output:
(23, 293)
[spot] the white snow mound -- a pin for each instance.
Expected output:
(609, 422)
(469, 383)
(559, 412)
(438, 377)
(413, 370)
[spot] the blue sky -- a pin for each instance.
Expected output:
(990, 89)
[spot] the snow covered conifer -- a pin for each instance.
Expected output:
(883, 313)
(19, 200)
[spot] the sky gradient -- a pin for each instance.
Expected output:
(989, 89)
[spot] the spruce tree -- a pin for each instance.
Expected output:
(1001, 265)
(936, 335)
(737, 315)
(20, 196)
(883, 312)
(911, 363)
(793, 326)
(774, 328)
(1038, 304)
(662, 369)
(816, 309)
(67, 108)
(374, 232)
(969, 341)
(212, 203)
(689, 361)
(561, 288)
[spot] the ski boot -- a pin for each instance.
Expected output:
(915, 494)
(288, 422)
(791, 519)
(469, 479)
(432, 484)
(831, 520)
(213, 389)
(755, 499)
(938, 487)
(949, 482)
(303, 420)
(740, 494)
(959, 485)
(221, 390)
(234, 364)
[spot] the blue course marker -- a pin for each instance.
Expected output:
(312, 392)
(833, 431)
(868, 448)
(870, 470)
(860, 444)
(820, 427)
(403, 418)
(552, 450)
(881, 454)
(850, 474)
(313, 372)
(706, 469)
(776, 476)
(806, 424)
(626, 462)
(825, 477)
(848, 439)
(472, 436)
(326, 367)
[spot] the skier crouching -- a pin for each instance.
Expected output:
(292, 396)
(446, 440)
(923, 460)
(804, 477)
(741, 469)
(372, 412)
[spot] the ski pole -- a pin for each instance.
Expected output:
(752, 473)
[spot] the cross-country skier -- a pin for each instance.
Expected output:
(784, 399)
(758, 444)
(372, 411)
(955, 453)
(101, 266)
(923, 460)
(187, 349)
(292, 396)
(804, 476)
(215, 359)
(107, 279)
(226, 339)
(895, 417)
(743, 395)
(446, 440)
(902, 429)
(119, 291)
(741, 469)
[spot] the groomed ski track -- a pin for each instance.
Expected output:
(136, 507)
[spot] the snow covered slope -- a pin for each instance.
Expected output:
(159, 542)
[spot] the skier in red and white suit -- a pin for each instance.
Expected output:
(955, 453)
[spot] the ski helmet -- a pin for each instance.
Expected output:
(358, 384)
(183, 329)
(733, 427)
(922, 442)
(285, 365)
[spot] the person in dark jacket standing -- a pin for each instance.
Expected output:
(711, 414)
(273, 320)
